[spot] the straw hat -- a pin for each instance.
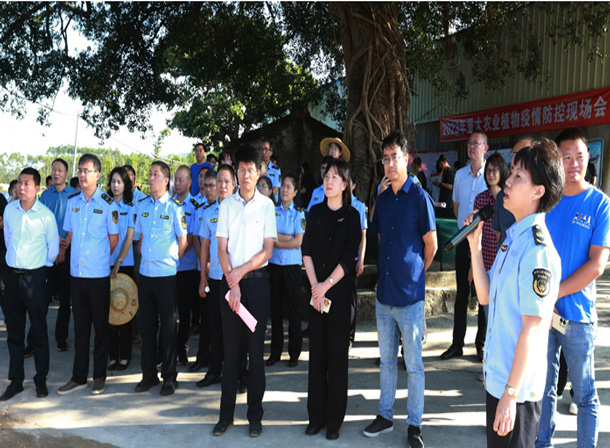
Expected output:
(123, 299)
(324, 144)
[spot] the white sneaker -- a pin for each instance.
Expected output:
(573, 409)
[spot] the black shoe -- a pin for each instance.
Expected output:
(243, 386)
(293, 363)
(147, 383)
(256, 429)
(28, 351)
(62, 347)
(41, 390)
(332, 435)
(480, 354)
(414, 437)
(169, 387)
(222, 427)
(123, 364)
(379, 426)
(271, 361)
(312, 429)
(12, 390)
(451, 353)
(112, 364)
(183, 359)
(197, 366)
(209, 379)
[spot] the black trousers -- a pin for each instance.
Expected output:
(523, 434)
(188, 290)
(462, 266)
(58, 283)
(210, 312)
(157, 297)
(236, 337)
(90, 305)
(120, 335)
(285, 282)
(26, 294)
(328, 364)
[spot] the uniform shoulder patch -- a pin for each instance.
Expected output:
(303, 223)
(275, 167)
(115, 217)
(177, 201)
(299, 209)
(194, 202)
(208, 205)
(539, 237)
(106, 198)
(541, 282)
(144, 198)
(73, 195)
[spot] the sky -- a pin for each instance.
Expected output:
(29, 137)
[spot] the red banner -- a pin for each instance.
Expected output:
(578, 109)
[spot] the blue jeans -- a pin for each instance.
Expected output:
(407, 322)
(578, 346)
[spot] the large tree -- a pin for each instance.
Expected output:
(225, 68)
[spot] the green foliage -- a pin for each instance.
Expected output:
(12, 164)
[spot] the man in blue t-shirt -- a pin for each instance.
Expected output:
(580, 228)
(197, 166)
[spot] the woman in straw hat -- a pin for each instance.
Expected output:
(335, 148)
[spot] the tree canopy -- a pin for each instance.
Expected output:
(224, 68)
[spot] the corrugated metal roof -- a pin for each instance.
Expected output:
(570, 71)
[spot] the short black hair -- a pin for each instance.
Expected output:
(572, 134)
(74, 182)
(293, 177)
(226, 167)
(164, 169)
(62, 161)
(91, 158)
(326, 159)
(225, 155)
(210, 157)
(265, 180)
(33, 172)
(497, 160)
(482, 132)
(184, 167)
(248, 153)
(396, 138)
(416, 161)
(198, 144)
(130, 169)
(545, 164)
(209, 174)
(343, 172)
(48, 179)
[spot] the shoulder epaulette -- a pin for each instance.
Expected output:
(146, 197)
(209, 205)
(73, 195)
(275, 167)
(177, 201)
(194, 202)
(539, 237)
(299, 209)
(106, 198)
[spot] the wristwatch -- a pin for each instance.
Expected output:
(331, 280)
(511, 391)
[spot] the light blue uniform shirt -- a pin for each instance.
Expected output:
(524, 281)
(275, 174)
(207, 230)
(137, 196)
(359, 205)
(317, 197)
(57, 203)
(127, 218)
(32, 239)
(289, 222)
(188, 262)
(91, 223)
(160, 223)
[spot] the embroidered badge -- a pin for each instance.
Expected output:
(75, 209)
(123, 213)
(165, 217)
(277, 214)
(115, 217)
(144, 215)
(183, 222)
(504, 247)
(99, 212)
(214, 220)
(541, 282)
(303, 223)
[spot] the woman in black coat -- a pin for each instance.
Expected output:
(330, 247)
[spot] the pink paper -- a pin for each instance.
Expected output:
(245, 315)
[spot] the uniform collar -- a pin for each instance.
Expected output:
(95, 197)
(526, 223)
(35, 206)
(163, 199)
(290, 207)
(186, 199)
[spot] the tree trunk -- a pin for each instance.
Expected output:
(378, 97)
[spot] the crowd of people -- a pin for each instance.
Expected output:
(218, 246)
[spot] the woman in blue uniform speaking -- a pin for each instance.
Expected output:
(330, 247)
(521, 289)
